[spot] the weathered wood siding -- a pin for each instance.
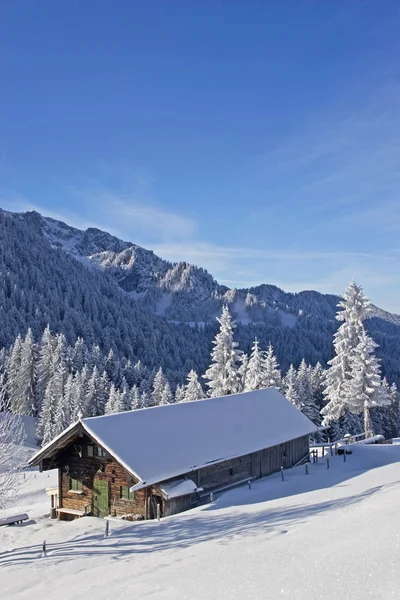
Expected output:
(258, 464)
(177, 505)
(87, 469)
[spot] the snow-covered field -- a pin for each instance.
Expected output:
(332, 534)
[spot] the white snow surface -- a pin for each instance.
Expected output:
(165, 441)
(334, 533)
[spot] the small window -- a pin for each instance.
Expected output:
(125, 493)
(231, 472)
(100, 452)
(90, 450)
(75, 485)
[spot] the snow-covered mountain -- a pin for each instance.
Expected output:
(182, 291)
(137, 303)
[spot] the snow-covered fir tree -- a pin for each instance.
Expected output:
(222, 375)
(159, 383)
(355, 307)
(290, 386)
(193, 390)
(27, 377)
(364, 388)
(242, 370)
(272, 373)
(113, 404)
(394, 410)
(135, 398)
(306, 401)
(44, 365)
(13, 369)
(179, 393)
(255, 373)
(166, 395)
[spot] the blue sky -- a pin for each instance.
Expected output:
(258, 139)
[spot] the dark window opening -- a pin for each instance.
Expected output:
(231, 472)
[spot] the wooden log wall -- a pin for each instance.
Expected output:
(87, 469)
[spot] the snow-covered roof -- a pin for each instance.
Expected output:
(163, 442)
(178, 487)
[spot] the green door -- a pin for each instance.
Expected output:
(100, 498)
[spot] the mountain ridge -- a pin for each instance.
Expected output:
(120, 296)
(182, 291)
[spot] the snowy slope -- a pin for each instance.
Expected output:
(331, 534)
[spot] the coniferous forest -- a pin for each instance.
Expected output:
(74, 342)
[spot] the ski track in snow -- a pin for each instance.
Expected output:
(331, 534)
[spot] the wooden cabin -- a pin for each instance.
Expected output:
(128, 464)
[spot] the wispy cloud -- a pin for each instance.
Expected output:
(199, 250)
(346, 160)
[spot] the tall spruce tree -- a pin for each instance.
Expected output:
(290, 386)
(364, 388)
(272, 373)
(355, 307)
(255, 373)
(222, 375)
(306, 400)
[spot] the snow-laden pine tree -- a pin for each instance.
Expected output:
(54, 393)
(135, 398)
(145, 399)
(306, 401)
(27, 376)
(113, 404)
(69, 398)
(62, 417)
(318, 384)
(95, 397)
(44, 366)
(255, 372)
(222, 375)
(364, 388)
(193, 390)
(79, 355)
(166, 395)
(126, 398)
(242, 370)
(290, 387)
(180, 393)
(13, 369)
(355, 307)
(159, 383)
(272, 373)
